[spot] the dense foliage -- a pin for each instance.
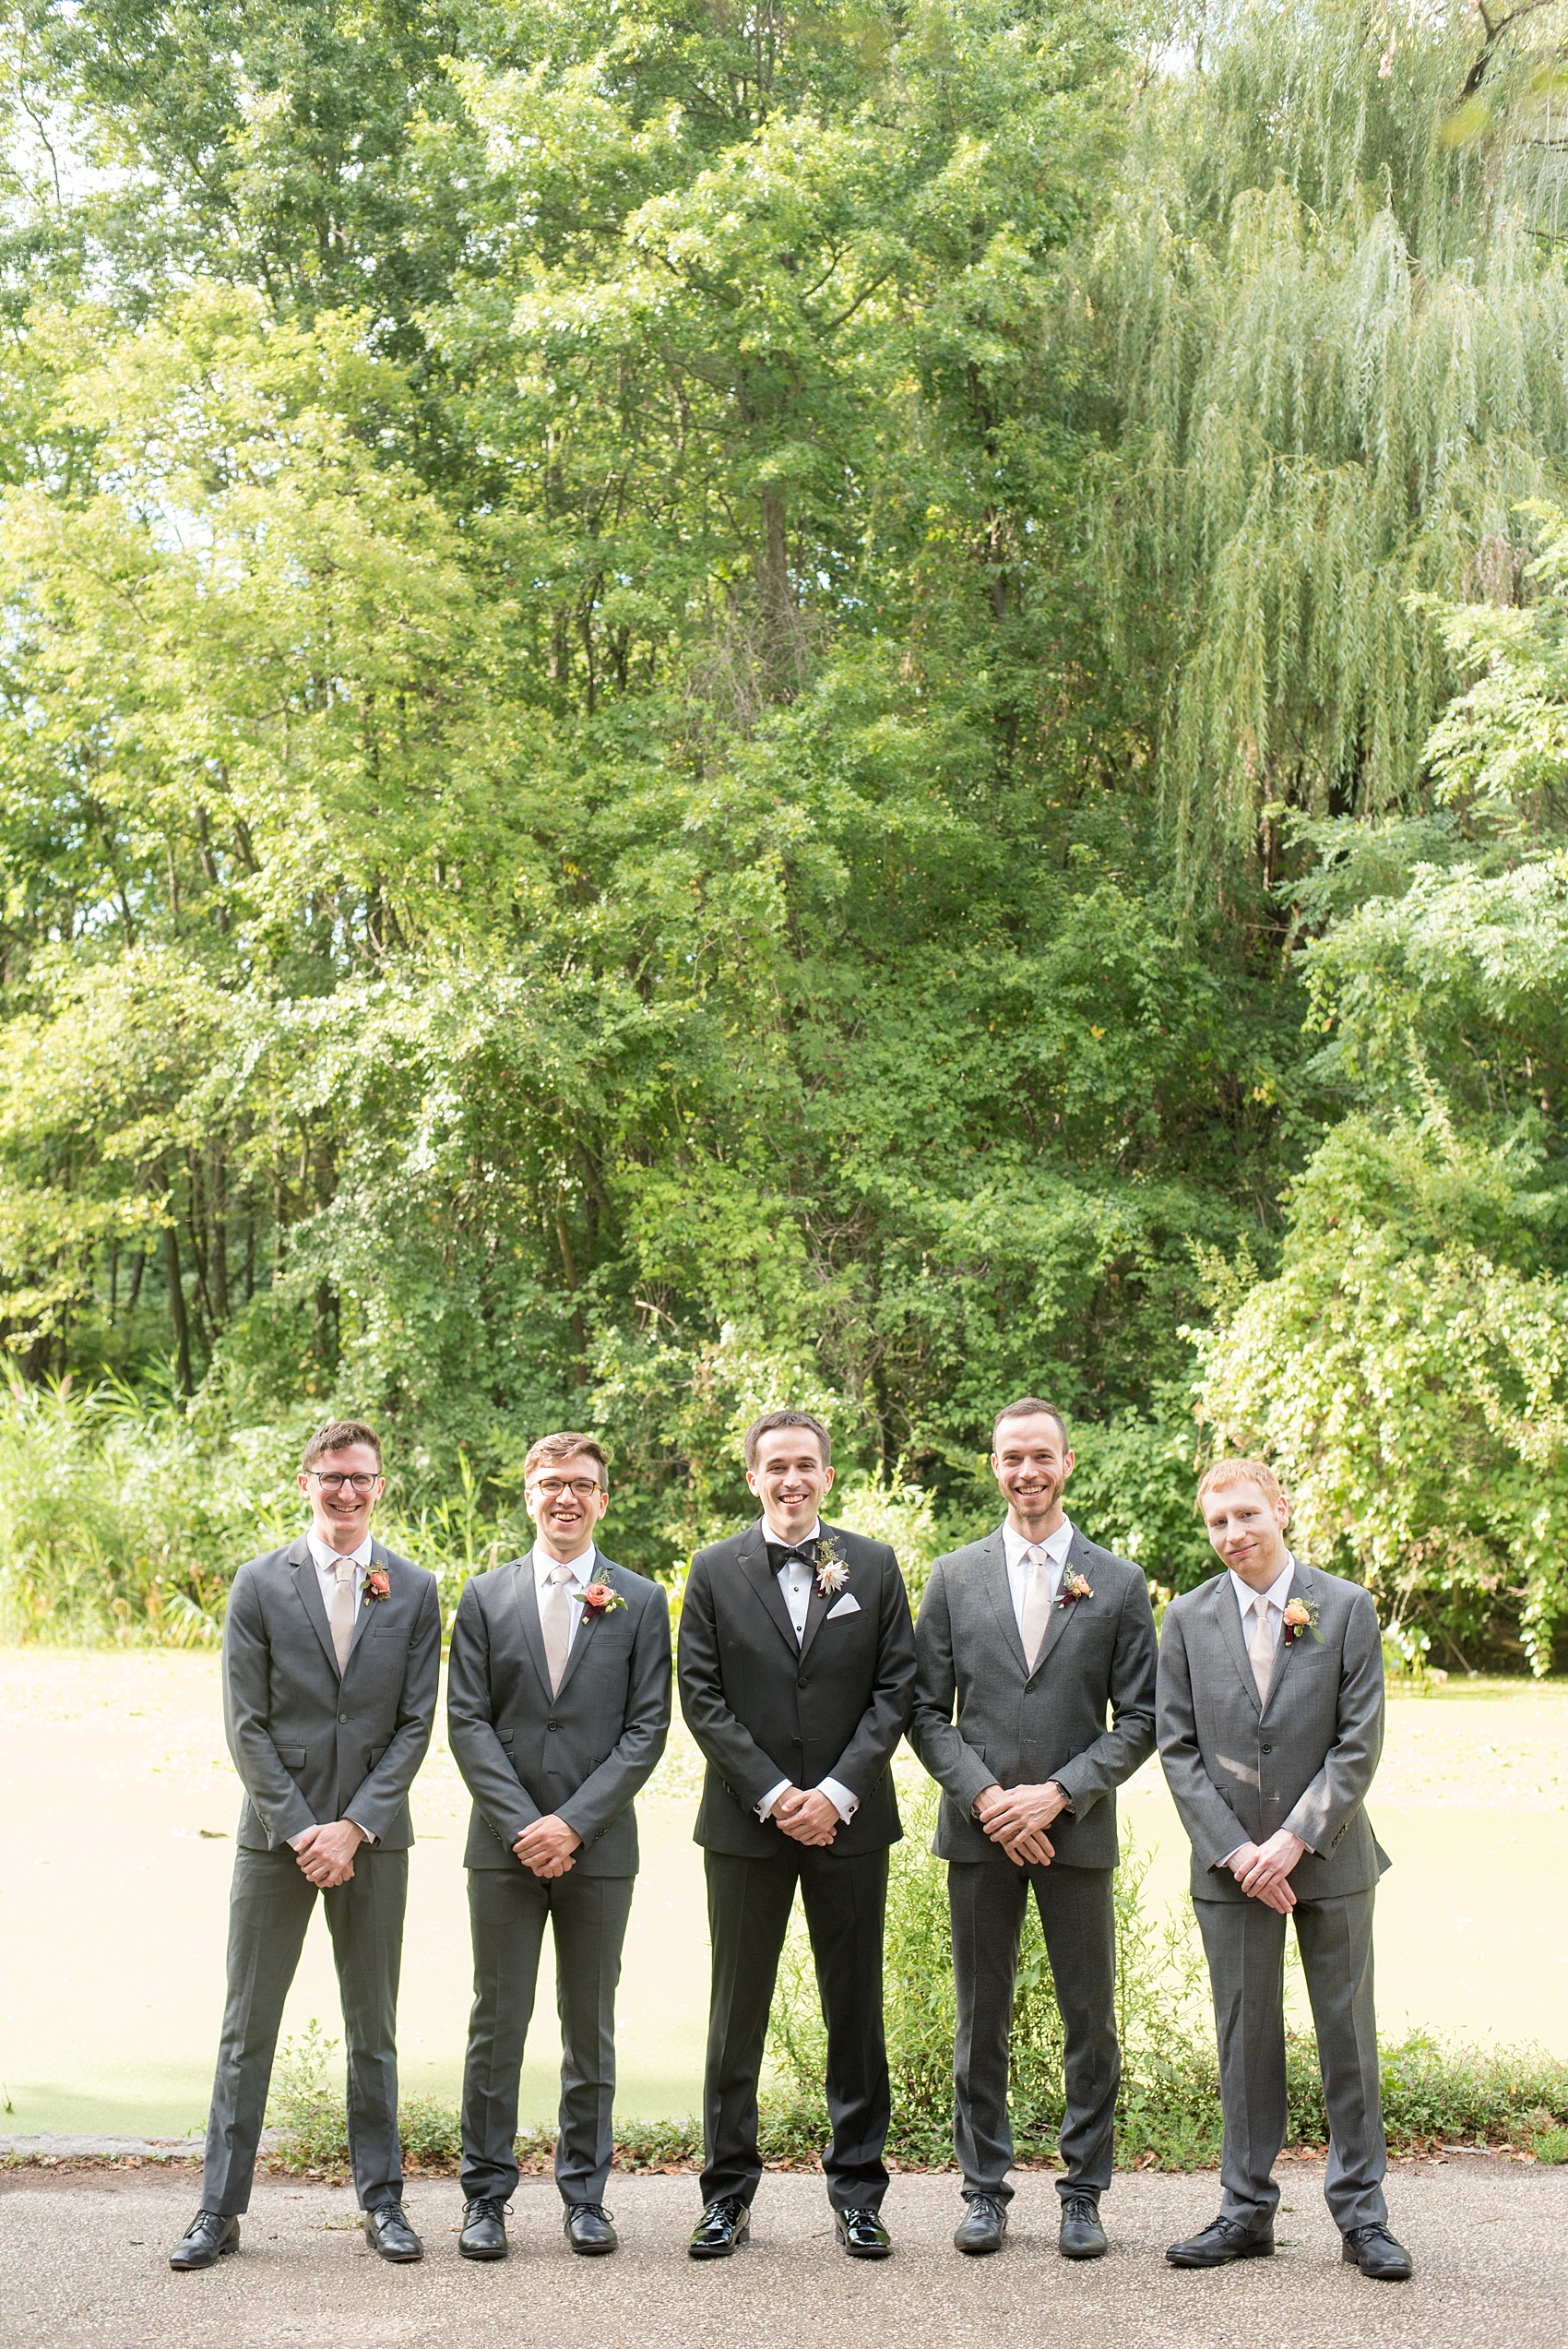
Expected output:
(701, 702)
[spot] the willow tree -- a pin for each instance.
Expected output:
(1334, 290)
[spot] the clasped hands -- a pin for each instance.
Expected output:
(807, 1815)
(1017, 1816)
(547, 1847)
(325, 1853)
(1262, 1869)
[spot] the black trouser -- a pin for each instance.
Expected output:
(269, 1910)
(508, 1910)
(748, 1915)
(1077, 1916)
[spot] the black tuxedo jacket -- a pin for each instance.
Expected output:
(582, 1753)
(763, 1707)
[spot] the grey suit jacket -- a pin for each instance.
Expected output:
(581, 1754)
(311, 1747)
(1238, 1769)
(1017, 1728)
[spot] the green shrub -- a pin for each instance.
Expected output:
(1551, 2145)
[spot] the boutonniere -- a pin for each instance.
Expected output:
(378, 1583)
(1073, 1587)
(832, 1567)
(600, 1598)
(1301, 1616)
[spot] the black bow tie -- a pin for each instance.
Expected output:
(780, 1553)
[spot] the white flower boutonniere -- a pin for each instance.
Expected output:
(832, 1567)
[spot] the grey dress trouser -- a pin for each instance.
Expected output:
(1245, 1943)
(269, 1910)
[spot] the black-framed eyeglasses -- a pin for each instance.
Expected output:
(335, 1479)
(582, 1488)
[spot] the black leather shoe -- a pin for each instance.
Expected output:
(1374, 2251)
(984, 2224)
(1082, 2236)
(389, 2232)
(723, 2226)
(589, 2229)
(484, 2229)
(862, 2235)
(1220, 2241)
(204, 2242)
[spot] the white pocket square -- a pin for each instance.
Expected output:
(846, 1605)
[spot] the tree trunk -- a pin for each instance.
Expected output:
(177, 1309)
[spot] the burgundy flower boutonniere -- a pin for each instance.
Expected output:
(1073, 1588)
(377, 1583)
(1301, 1620)
(600, 1599)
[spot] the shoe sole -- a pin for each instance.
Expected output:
(465, 2254)
(199, 2267)
(719, 2251)
(592, 2250)
(396, 2259)
(879, 2251)
(1253, 2251)
(1350, 2260)
(978, 2250)
(1097, 2252)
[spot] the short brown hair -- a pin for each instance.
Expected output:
(567, 1445)
(1220, 1474)
(1026, 1406)
(336, 1436)
(772, 1420)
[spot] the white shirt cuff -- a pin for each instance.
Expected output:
(764, 1808)
(843, 1802)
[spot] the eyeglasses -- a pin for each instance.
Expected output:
(551, 1488)
(336, 1479)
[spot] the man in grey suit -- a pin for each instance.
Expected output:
(1035, 1635)
(1270, 1710)
(558, 1707)
(331, 1660)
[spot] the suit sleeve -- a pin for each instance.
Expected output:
(382, 1794)
(604, 1794)
(247, 1681)
(1130, 1738)
(886, 1716)
(958, 1769)
(723, 1740)
(1348, 1767)
(1213, 1828)
(480, 1757)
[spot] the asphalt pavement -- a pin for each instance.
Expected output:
(83, 2259)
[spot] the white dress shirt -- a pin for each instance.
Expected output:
(1019, 1570)
(583, 1571)
(796, 1577)
(327, 1560)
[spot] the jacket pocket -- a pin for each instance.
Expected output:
(292, 1757)
(506, 1736)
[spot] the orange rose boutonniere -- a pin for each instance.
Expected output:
(1301, 1620)
(600, 1599)
(377, 1583)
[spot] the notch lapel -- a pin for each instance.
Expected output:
(993, 1569)
(307, 1590)
(1230, 1632)
(525, 1597)
(1056, 1621)
(1287, 1648)
(367, 1607)
(587, 1627)
(753, 1561)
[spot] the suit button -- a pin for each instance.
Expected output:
(1268, 1749)
(552, 1724)
(342, 1716)
(802, 1682)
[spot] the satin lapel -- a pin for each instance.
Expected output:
(1057, 1620)
(816, 1605)
(367, 1607)
(587, 1626)
(1286, 1649)
(754, 1564)
(307, 1588)
(525, 1597)
(993, 1569)
(1229, 1616)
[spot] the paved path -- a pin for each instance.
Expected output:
(82, 2259)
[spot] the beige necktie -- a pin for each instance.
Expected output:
(556, 1622)
(343, 1614)
(1261, 1649)
(1037, 1603)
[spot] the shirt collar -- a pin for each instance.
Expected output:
(1277, 1593)
(327, 1560)
(581, 1569)
(1055, 1546)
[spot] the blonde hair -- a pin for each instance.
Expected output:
(1220, 1474)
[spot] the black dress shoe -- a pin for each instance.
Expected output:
(389, 2232)
(1082, 2236)
(204, 2241)
(1222, 2240)
(984, 2224)
(724, 2224)
(1374, 2251)
(484, 2229)
(589, 2229)
(862, 2235)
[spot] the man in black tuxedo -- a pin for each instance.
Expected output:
(797, 1671)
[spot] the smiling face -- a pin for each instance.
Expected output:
(1247, 1530)
(564, 1508)
(340, 1506)
(1032, 1464)
(791, 1480)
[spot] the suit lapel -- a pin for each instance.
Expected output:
(1287, 1648)
(366, 1607)
(993, 1567)
(1056, 1621)
(1229, 1615)
(525, 1596)
(751, 1559)
(816, 1605)
(601, 1571)
(307, 1590)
